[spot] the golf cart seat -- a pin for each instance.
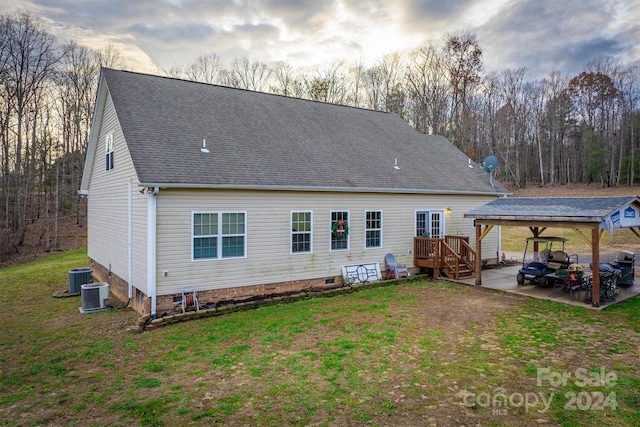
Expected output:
(543, 256)
(557, 259)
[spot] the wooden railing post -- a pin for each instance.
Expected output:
(595, 262)
(478, 254)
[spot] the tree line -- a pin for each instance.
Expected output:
(47, 93)
(555, 130)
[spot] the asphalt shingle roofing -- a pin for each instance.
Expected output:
(259, 140)
(558, 209)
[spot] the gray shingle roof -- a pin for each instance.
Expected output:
(261, 140)
(554, 209)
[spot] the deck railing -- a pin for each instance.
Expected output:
(426, 252)
(450, 253)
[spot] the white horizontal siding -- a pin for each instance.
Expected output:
(268, 258)
(139, 261)
(108, 207)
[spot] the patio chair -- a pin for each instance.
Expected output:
(395, 270)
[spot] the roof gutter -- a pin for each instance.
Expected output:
(321, 189)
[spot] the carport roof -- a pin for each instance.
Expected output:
(596, 213)
(609, 212)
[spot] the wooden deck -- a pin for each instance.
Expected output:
(452, 255)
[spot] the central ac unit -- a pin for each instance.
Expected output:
(94, 296)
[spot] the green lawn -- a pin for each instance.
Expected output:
(416, 353)
(513, 239)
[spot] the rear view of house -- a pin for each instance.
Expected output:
(234, 193)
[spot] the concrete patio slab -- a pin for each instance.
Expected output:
(504, 279)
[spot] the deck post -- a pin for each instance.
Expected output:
(478, 254)
(595, 266)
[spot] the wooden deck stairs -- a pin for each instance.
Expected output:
(451, 255)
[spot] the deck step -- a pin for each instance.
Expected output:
(463, 272)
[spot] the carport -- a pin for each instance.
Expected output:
(590, 217)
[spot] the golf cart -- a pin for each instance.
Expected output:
(542, 256)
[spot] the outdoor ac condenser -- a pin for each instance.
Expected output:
(94, 296)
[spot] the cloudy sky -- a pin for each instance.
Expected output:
(543, 35)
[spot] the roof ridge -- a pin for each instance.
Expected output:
(178, 79)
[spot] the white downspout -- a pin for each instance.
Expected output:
(130, 241)
(151, 247)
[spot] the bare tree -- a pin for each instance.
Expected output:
(76, 81)
(593, 95)
(373, 87)
(288, 81)
(205, 69)
(630, 98)
(109, 57)
(29, 55)
(177, 71)
(553, 114)
(249, 75)
(428, 90)
(384, 85)
(329, 84)
(463, 57)
(357, 73)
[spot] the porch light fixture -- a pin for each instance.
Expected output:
(448, 210)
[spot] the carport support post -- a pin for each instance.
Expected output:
(595, 266)
(478, 254)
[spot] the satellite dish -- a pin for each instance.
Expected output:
(489, 164)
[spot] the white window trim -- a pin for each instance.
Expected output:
(331, 230)
(430, 211)
(291, 232)
(220, 236)
(109, 149)
(381, 228)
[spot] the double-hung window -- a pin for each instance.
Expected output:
(373, 229)
(301, 227)
(219, 235)
(339, 230)
(430, 224)
(108, 152)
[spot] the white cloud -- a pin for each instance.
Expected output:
(542, 35)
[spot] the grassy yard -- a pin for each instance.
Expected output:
(513, 240)
(418, 353)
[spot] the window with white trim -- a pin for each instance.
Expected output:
(373, 229)
(339, 230)
(430, 224)
(301, 228)
(108, 152)
(219, 235)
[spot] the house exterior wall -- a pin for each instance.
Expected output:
(268, 248)
(114, 195)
